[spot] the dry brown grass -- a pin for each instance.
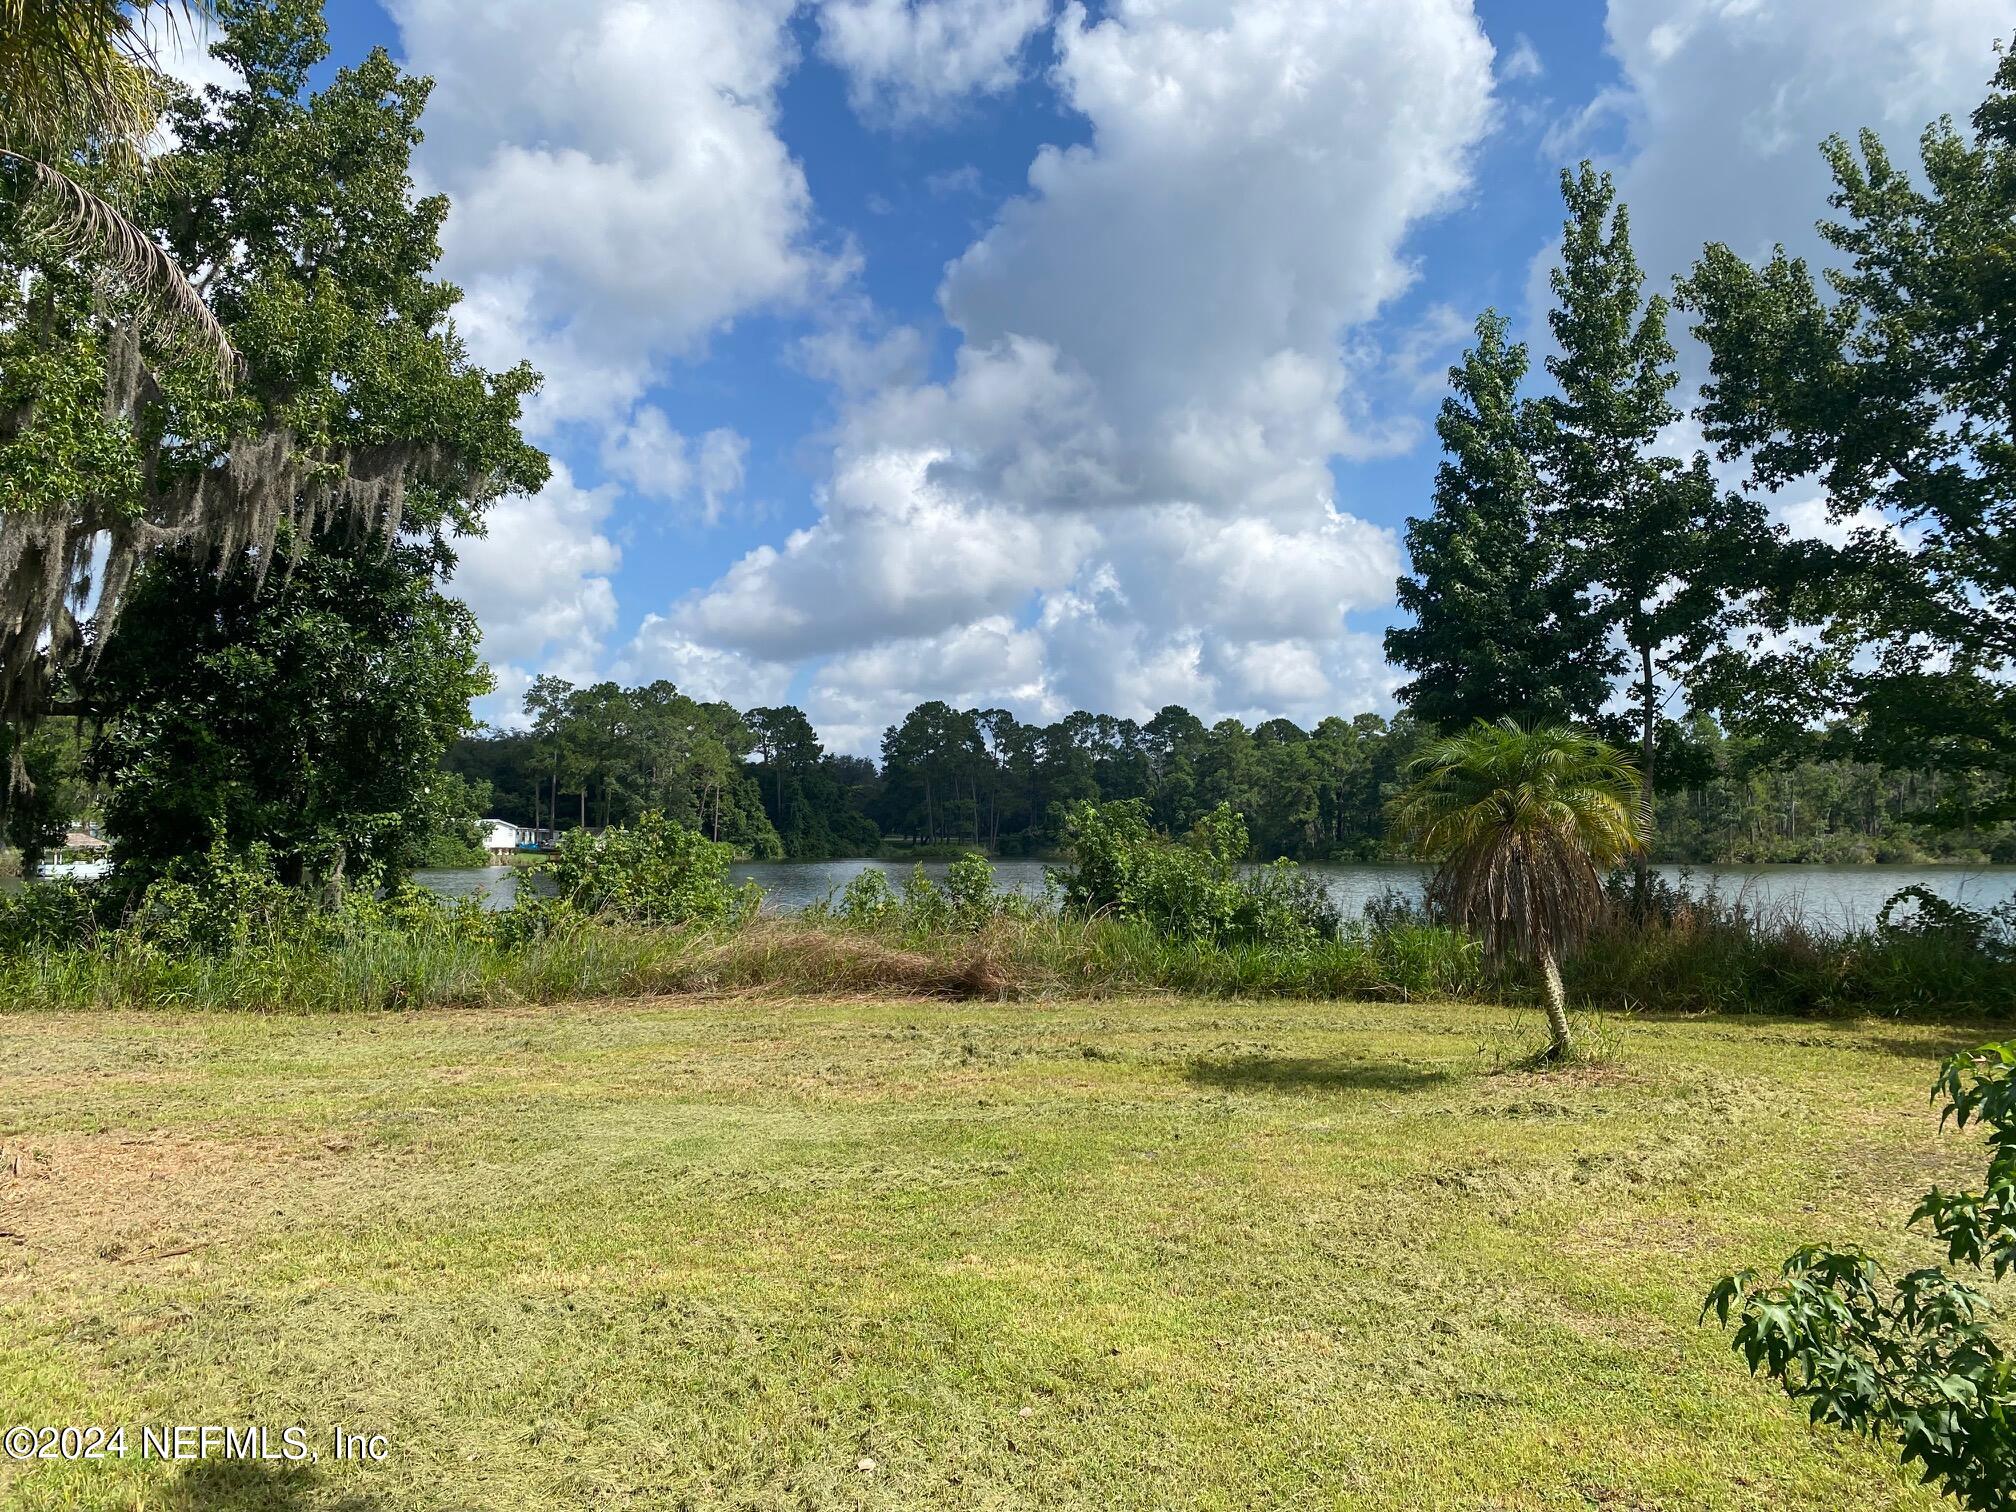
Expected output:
(785, 957)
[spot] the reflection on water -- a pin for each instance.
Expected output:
(1826, 897)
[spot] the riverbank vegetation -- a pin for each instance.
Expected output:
(654, 911)
(277, 686)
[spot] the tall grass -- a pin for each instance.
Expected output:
(1045, 955)
(1737, 962)
(1697, 958)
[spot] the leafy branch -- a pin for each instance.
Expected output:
(1913, 1362)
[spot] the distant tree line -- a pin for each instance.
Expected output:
(982, 779)
(949, 778)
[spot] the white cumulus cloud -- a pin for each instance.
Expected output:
(620, 193)
(1724, 104)
(906, 59)
(658, 462)
(1123, 493)
(620, 188)
(539, 580)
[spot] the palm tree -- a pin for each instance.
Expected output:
(1522, 824)
(79, 75)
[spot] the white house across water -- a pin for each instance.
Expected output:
(503, 838)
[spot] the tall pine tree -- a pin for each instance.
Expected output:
(1499, 628)
(1665, 553)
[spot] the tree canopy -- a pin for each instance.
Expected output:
(356, 405)
(309, 714)
(1889, 382)
(1502, 627)
(267, 654)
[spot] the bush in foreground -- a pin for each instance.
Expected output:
(1913, 1363)
(658, 872)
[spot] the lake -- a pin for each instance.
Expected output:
(1830, 898)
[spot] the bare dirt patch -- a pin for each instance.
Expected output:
(72, 1202)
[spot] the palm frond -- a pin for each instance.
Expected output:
(83, 221)
(83, 70)
(1523, 824)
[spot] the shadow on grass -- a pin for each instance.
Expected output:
(260, 1486)
(1266, 1073)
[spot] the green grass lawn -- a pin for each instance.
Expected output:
(795, 1254)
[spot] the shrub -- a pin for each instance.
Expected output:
(657, 872)
(963, 904)
(1191, 890)
(1290, 907)
(1914, 1362)
(868, 899)
(54, 915)
(219, 902)
(407, 909)
(1393, 909)
(969, 887)
(1930, 917)
(926, 909)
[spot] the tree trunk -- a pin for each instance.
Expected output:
(1557, 1007)
(1647, 754)
(332, 884)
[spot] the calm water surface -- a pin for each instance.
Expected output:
(1828, 897)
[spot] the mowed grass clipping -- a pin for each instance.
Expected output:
(764, 1253)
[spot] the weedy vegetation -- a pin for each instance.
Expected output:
(653, 910)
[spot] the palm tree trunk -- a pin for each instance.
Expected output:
(1557, 1007)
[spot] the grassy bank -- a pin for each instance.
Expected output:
(1040, 957)
(759, 1253)
(449, 962)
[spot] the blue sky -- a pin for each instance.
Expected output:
(1019, 353)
